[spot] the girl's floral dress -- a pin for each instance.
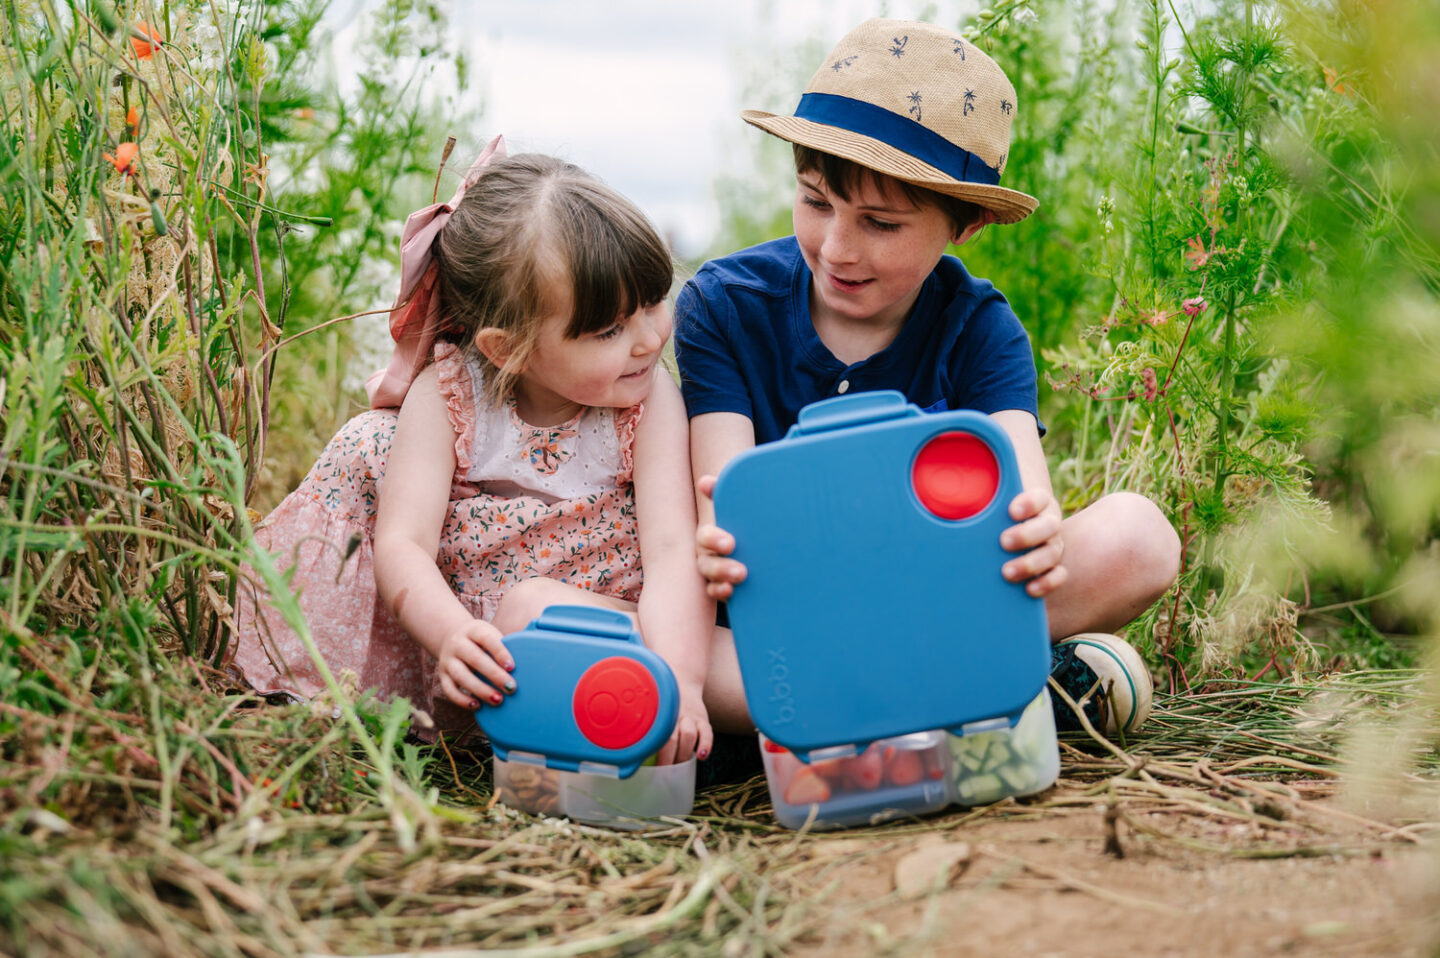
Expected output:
(552, 501)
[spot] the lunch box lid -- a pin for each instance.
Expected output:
(873, 604)
(589, 696)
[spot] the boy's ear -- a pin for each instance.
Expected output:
(496, 345)
(985, 218)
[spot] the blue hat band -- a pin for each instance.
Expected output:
(902, 133)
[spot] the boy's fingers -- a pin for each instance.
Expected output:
(711, 538)
(1022, 506)
(1031, 534)
(718, 569)
(1035, 563)
(705, 485)
(1042, 586)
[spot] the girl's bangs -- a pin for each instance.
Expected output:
(618, 264)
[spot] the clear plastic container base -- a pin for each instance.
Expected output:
(893, 777)
(915, 774)
(652, 793)
(1007, 762)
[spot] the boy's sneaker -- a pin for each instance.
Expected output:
(1122, 700)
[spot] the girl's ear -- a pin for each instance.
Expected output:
(496, 345)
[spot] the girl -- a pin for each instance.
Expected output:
(540, 449)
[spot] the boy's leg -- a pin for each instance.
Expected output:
(1122, 555)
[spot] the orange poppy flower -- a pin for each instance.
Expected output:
(124, 158)
(1334, 82)
(144, 49)
(132, 118)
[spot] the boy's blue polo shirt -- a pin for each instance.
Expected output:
(746, 344)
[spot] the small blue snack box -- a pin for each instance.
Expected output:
(874, 613)
(590, 706)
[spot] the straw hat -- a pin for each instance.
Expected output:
(916, 102)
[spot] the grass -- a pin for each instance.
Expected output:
(301, 856)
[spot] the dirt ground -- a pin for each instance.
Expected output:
(1042, 883)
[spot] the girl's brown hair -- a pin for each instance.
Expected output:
(845, 176)
(530, 223)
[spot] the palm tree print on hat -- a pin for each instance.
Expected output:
(914, 99)
(839, 65)
(969, 103)
(1006, 106)
(960, 48)
(897, 48)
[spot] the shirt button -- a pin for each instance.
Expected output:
(844, 387)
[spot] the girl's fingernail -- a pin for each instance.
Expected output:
(510, 666)
(509, 685)
(497, 698)
(474, 704)
(703, 754)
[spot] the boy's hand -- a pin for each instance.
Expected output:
(1036, 534)
(712, 545)
(475, 647)
(692, 735)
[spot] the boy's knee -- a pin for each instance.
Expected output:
(1154, 542)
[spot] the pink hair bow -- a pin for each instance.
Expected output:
(416, 314)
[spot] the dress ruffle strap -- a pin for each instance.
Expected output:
(625, 422)
(452, 375)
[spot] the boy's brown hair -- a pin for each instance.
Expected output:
(845, 176)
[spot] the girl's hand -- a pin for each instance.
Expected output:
(1036, 533)
(475, 647)
(692, 735)
(712, 545)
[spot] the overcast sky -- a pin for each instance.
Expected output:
(645, 93)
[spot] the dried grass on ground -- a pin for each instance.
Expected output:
(1236, 775)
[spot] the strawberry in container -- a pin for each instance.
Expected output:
(873, 629)
(891, 778)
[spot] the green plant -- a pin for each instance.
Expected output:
(1184, 393)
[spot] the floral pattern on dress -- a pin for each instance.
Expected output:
(545, 447)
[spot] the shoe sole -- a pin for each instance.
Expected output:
(1130, 664)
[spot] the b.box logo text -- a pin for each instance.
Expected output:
(780, 694)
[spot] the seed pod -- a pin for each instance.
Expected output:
(157, 217)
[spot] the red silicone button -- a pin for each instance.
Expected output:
(616, 702)
(955, 476)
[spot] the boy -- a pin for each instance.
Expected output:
(899, 142)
